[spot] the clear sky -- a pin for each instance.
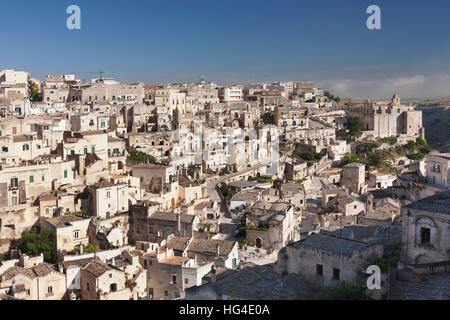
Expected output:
(325, 41)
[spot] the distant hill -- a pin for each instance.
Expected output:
(436, 121)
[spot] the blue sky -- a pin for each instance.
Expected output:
(237, 42)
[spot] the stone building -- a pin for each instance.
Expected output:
(102, 281)
(353, 178)
(101, 92)
(34, 279)
(425, 230)
(324, 259)
(108, 199)
(386, 119)
(149, 224)
(68, 231)
(438, 169)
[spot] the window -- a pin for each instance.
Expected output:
(108, 194)
(425, 236)
(93, 149)
(87, 286)
(319, 270)
(186, 281)
(174, 278)
(5, 149)
(65, 173)
(76, 234)
(26, 147)
(15, 182)
(50, 289)
(43, 178)
(336, 274)
(355, 206)
(31, 179)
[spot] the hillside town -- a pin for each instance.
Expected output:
(200, 191)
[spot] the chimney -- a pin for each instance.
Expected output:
(178, 222)
(213, 274)
(113, 261)
(195, 260)
(217, 250)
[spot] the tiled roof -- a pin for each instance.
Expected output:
(97, 268)
(438, 203)
(178, 243)
(330, 243)
(40, 270)
(169, 216)
(209, 246)
(63, 221)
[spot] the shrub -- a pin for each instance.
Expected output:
(416, 156)
(35, 242)
(344, 290)
(138, 156)
(355, 125)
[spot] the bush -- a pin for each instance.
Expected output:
(389, 140)
(365, 147)
(355, 125)
(35, 242)
(344, 290)
(416, 156)
(425, 149)
(420, 141)
(77, 213)
(350, 158)
(307, 155)
(138, 156)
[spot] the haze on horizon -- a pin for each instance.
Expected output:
(239, 42)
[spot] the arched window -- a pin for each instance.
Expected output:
(425, 230)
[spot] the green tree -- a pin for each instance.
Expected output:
(33, 90)
(416, 156)
(355, 125)
(425, 149)
(376, 158)
(410, 146)
(139, 156)
(365, 147)
(350, 158)
(344, 290)
(35, 242)
(420, 141)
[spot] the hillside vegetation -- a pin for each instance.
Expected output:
(436, 121)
